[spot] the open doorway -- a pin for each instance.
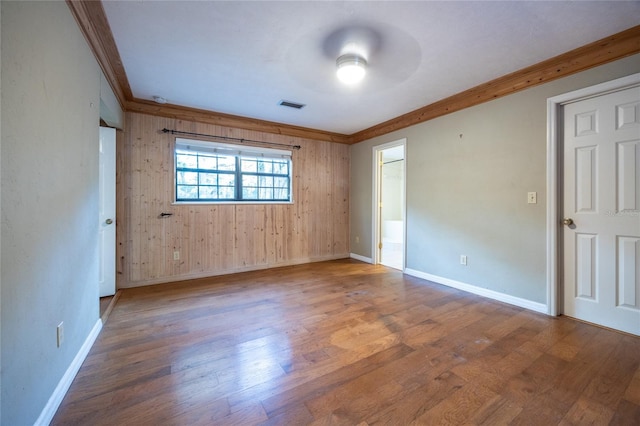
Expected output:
(107, 219)
(389, 204)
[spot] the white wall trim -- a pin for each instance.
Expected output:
(554, 108)
(491, 294)
(65, 382)
(361, 258)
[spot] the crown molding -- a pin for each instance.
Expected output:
(93, 22)
(227, 120)
(617, 46)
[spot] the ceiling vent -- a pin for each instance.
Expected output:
(290, 104)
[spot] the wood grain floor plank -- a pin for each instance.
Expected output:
(459, 407)
(626, 413)
(632, 394)
(587, 412)
(346, 343)
(418, 401)
(328, 382)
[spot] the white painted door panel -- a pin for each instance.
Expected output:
(602, 197)
(107, 216)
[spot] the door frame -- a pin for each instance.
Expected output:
(554, 176)
(375, 231)
(107, 134)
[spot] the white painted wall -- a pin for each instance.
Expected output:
(392, 190)
(49, 174)
(467, 195)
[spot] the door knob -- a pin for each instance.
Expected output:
(108, 221)
(567, 221)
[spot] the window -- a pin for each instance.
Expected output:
(215, 172)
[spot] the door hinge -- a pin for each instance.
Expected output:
(380, 246)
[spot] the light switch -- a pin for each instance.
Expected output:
(532, 197)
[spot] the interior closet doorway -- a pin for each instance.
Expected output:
(107, 212)
(389, 204)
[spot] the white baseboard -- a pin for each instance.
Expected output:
(63, 386)
(361, 258)
(491, 294)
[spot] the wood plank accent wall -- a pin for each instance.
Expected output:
(216, 239)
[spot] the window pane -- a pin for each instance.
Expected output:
(281, 182)
(209, 192)
(190, 178)
(225, 179)
(187, 192)
(266, 193)
(186, 161)
(249, 193)
(250, 180)
(265, 166)
(266, 181)
(226, 163)
(207, 162)
(280, 168)
(227, 193)
(249, 166)
(280, 194)
(208, 179)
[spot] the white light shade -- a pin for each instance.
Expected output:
(351, 68)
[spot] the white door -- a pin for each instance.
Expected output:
(107, 277)
(601, 210)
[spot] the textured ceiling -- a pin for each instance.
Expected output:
(242, 57)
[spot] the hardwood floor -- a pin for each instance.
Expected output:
(346, 343)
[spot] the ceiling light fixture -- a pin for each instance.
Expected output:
(351, 68)
(159, 100)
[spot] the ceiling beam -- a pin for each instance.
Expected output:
(617, 46)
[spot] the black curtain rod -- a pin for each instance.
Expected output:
(227, 138)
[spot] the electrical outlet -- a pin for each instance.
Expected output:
(176, 255)
(60, 333)
(463, 259)
(357, 239)
(532, 197)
